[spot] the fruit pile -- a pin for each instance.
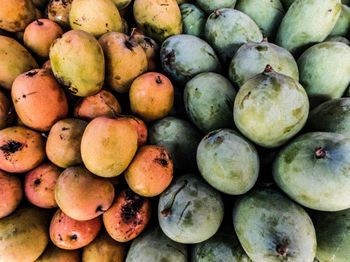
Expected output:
(174, 131)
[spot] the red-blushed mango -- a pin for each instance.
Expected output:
(141, 129)
(55, 254)
(6, 111)
(21, 149)
(11, 193)
(108, 146)
(58, 11)
(82, 195)
(39, 35)
(38, 99)
(151, 96)
(150, 172)
(128, 216)
(67, 233)
(39, 185)
(104, 103)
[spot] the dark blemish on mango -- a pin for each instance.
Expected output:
(261, 48)
(74, 237)
(11, 147)
(166, 211)
(65, 128)
(60, 237)
(241, 105)
(100, 210)
(31, 73)
(37, 181)
(133, 205)
(158, 80)
(161, 161)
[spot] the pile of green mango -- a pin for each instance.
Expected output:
(258, 135)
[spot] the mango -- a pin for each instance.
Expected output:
(151, 49)
(211, 5)
(342, 27)
(55, 254)
(336, 38)
(11, 193)
(58, 11)
(193, 20)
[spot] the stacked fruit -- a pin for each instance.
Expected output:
(152, 125)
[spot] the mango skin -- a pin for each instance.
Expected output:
(263, 110)
(211, 5)
(267, 14)
(158, 19)
(252, 58)
(24, 235)
(321, 184)
(208, 99)
(193, 20)
(336, 38)
(11, 193)
(227, 29)
(342, 27)
(325, 70)
(121, 4)
(67, 66)
(14, 60)
(184, 56)
(153, 245)
(266, 221)
(55, 254)
(58, 11)
(190, 211)
(307, 22)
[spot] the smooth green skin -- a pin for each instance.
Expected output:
(267, 14)
(265, 219)
(208, 99)
(222, 247)
(331, 116)
(335, 38)
(333, 235)
(190, 211)
(193, 20)
(270, 108)
(154, 246)
(252, 58)
(320, 184)
(229, 30)
(325, 70)
(84, 74)
(24, 235)
(228, 162)
(211, 5)
(184, 56)
(306, 22)
(179, 137)
(342, 27)
(287, 3)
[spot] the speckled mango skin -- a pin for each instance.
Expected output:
(306, 22)
(265, 219)
(184, 56)
(190, 211)
(211, 5)
(333, 235)
(24, 235)
(271, 108)
(252, 58)
(267, 14)
(325, 70)
(222, 247)
(331, 116)
(14, 60)
(342, 27)
(320, 184)
(193, 20)
(159, 19)
(228, 162)
(82, 74)
(227, 29)
(153, 245)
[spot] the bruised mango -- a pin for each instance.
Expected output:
(58, 11)
(151, 49)
(11, 193)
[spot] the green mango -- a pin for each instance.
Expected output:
(272, 228)
(336, 38)
(228, 162)
(211, 5)
(227, 29)
(270, 108)
(252, 58)
(325, 70)
(307, 22)
(331, 116)
(342, 27)
(193, 20)
(179, 137)
(189, 210)
(287, 3)
(333, 235)
(82, 74)
(313, 170)
(267, 14)
(222, 247)
(208, 99)
(184, 56)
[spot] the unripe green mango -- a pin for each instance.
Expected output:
(267, 14)
(193, 20)
(336, 38)
(307, 22)
(211, 5)
(272, 228)
(78, 62)
(227, 29)
(313, 170)
(252, 58)
(342, 27)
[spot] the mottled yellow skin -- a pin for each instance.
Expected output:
(14, 60)
(159, 19)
